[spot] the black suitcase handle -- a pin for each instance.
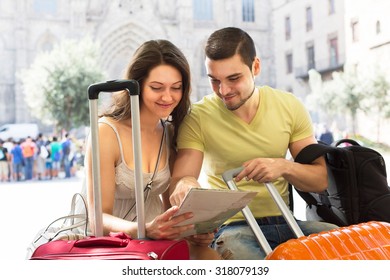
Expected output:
(131, 86)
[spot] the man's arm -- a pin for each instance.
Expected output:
(186, 170)
(305, 177)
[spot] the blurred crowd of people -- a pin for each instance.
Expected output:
(44, 158)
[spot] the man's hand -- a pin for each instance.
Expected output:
(183, 186)
(263, 169)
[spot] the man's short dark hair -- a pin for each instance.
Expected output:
(228, 41)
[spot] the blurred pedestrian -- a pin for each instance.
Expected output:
(326, 135)
(17, 161)
(42, 154)
(56, 154)
(66, 146)
(9, 145)
(4, 158)
(48, 162)
(29, 150)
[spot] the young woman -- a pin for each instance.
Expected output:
(163, 74)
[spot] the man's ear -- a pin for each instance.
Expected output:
(256, 66)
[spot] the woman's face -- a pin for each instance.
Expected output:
(162, 90)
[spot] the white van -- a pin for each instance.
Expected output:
(19, 131)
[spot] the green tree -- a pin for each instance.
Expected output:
(365, 89)
(324, 95)
(56, 84)
(341, 95)
(377, 89)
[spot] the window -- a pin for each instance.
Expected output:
(378, 27)
(310, 58)
(333, 53)
(355, 31)
(203, 10)
(248, 10)
(289, 63)
(331, 7)
(287, 27)
(45, 6)
(309, 19)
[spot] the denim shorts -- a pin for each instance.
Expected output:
(236, 241)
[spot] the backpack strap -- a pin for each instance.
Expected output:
(328, 215)
(311, 152)
(307, 155)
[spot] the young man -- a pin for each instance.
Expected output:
(241, 124)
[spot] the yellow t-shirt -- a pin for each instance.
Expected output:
(227, 141)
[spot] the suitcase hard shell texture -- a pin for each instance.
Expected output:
(365, 241)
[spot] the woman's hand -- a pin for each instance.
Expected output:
(164, 225)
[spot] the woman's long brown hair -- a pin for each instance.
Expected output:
(149, 55)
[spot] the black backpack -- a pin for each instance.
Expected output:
(357, 184)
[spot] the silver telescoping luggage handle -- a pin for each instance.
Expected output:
(132, 87)
(228, 178)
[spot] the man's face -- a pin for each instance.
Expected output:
(232, 80)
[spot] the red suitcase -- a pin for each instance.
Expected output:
(117, 245)
(366, 241)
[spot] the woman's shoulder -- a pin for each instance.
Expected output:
(107, 121)
(110, 124)
(109, 129)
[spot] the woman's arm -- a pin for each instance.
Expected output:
(109, 156)
(162, 227)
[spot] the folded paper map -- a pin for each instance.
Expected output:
(211, 208)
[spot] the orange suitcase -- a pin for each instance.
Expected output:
(365, 241)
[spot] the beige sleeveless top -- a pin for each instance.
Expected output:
(124, 186)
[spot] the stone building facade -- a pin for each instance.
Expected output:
(291, 36)
(326, 35)
(28, 27)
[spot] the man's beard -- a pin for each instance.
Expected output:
(242, 101)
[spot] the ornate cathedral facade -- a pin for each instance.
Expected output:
(29, 27)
